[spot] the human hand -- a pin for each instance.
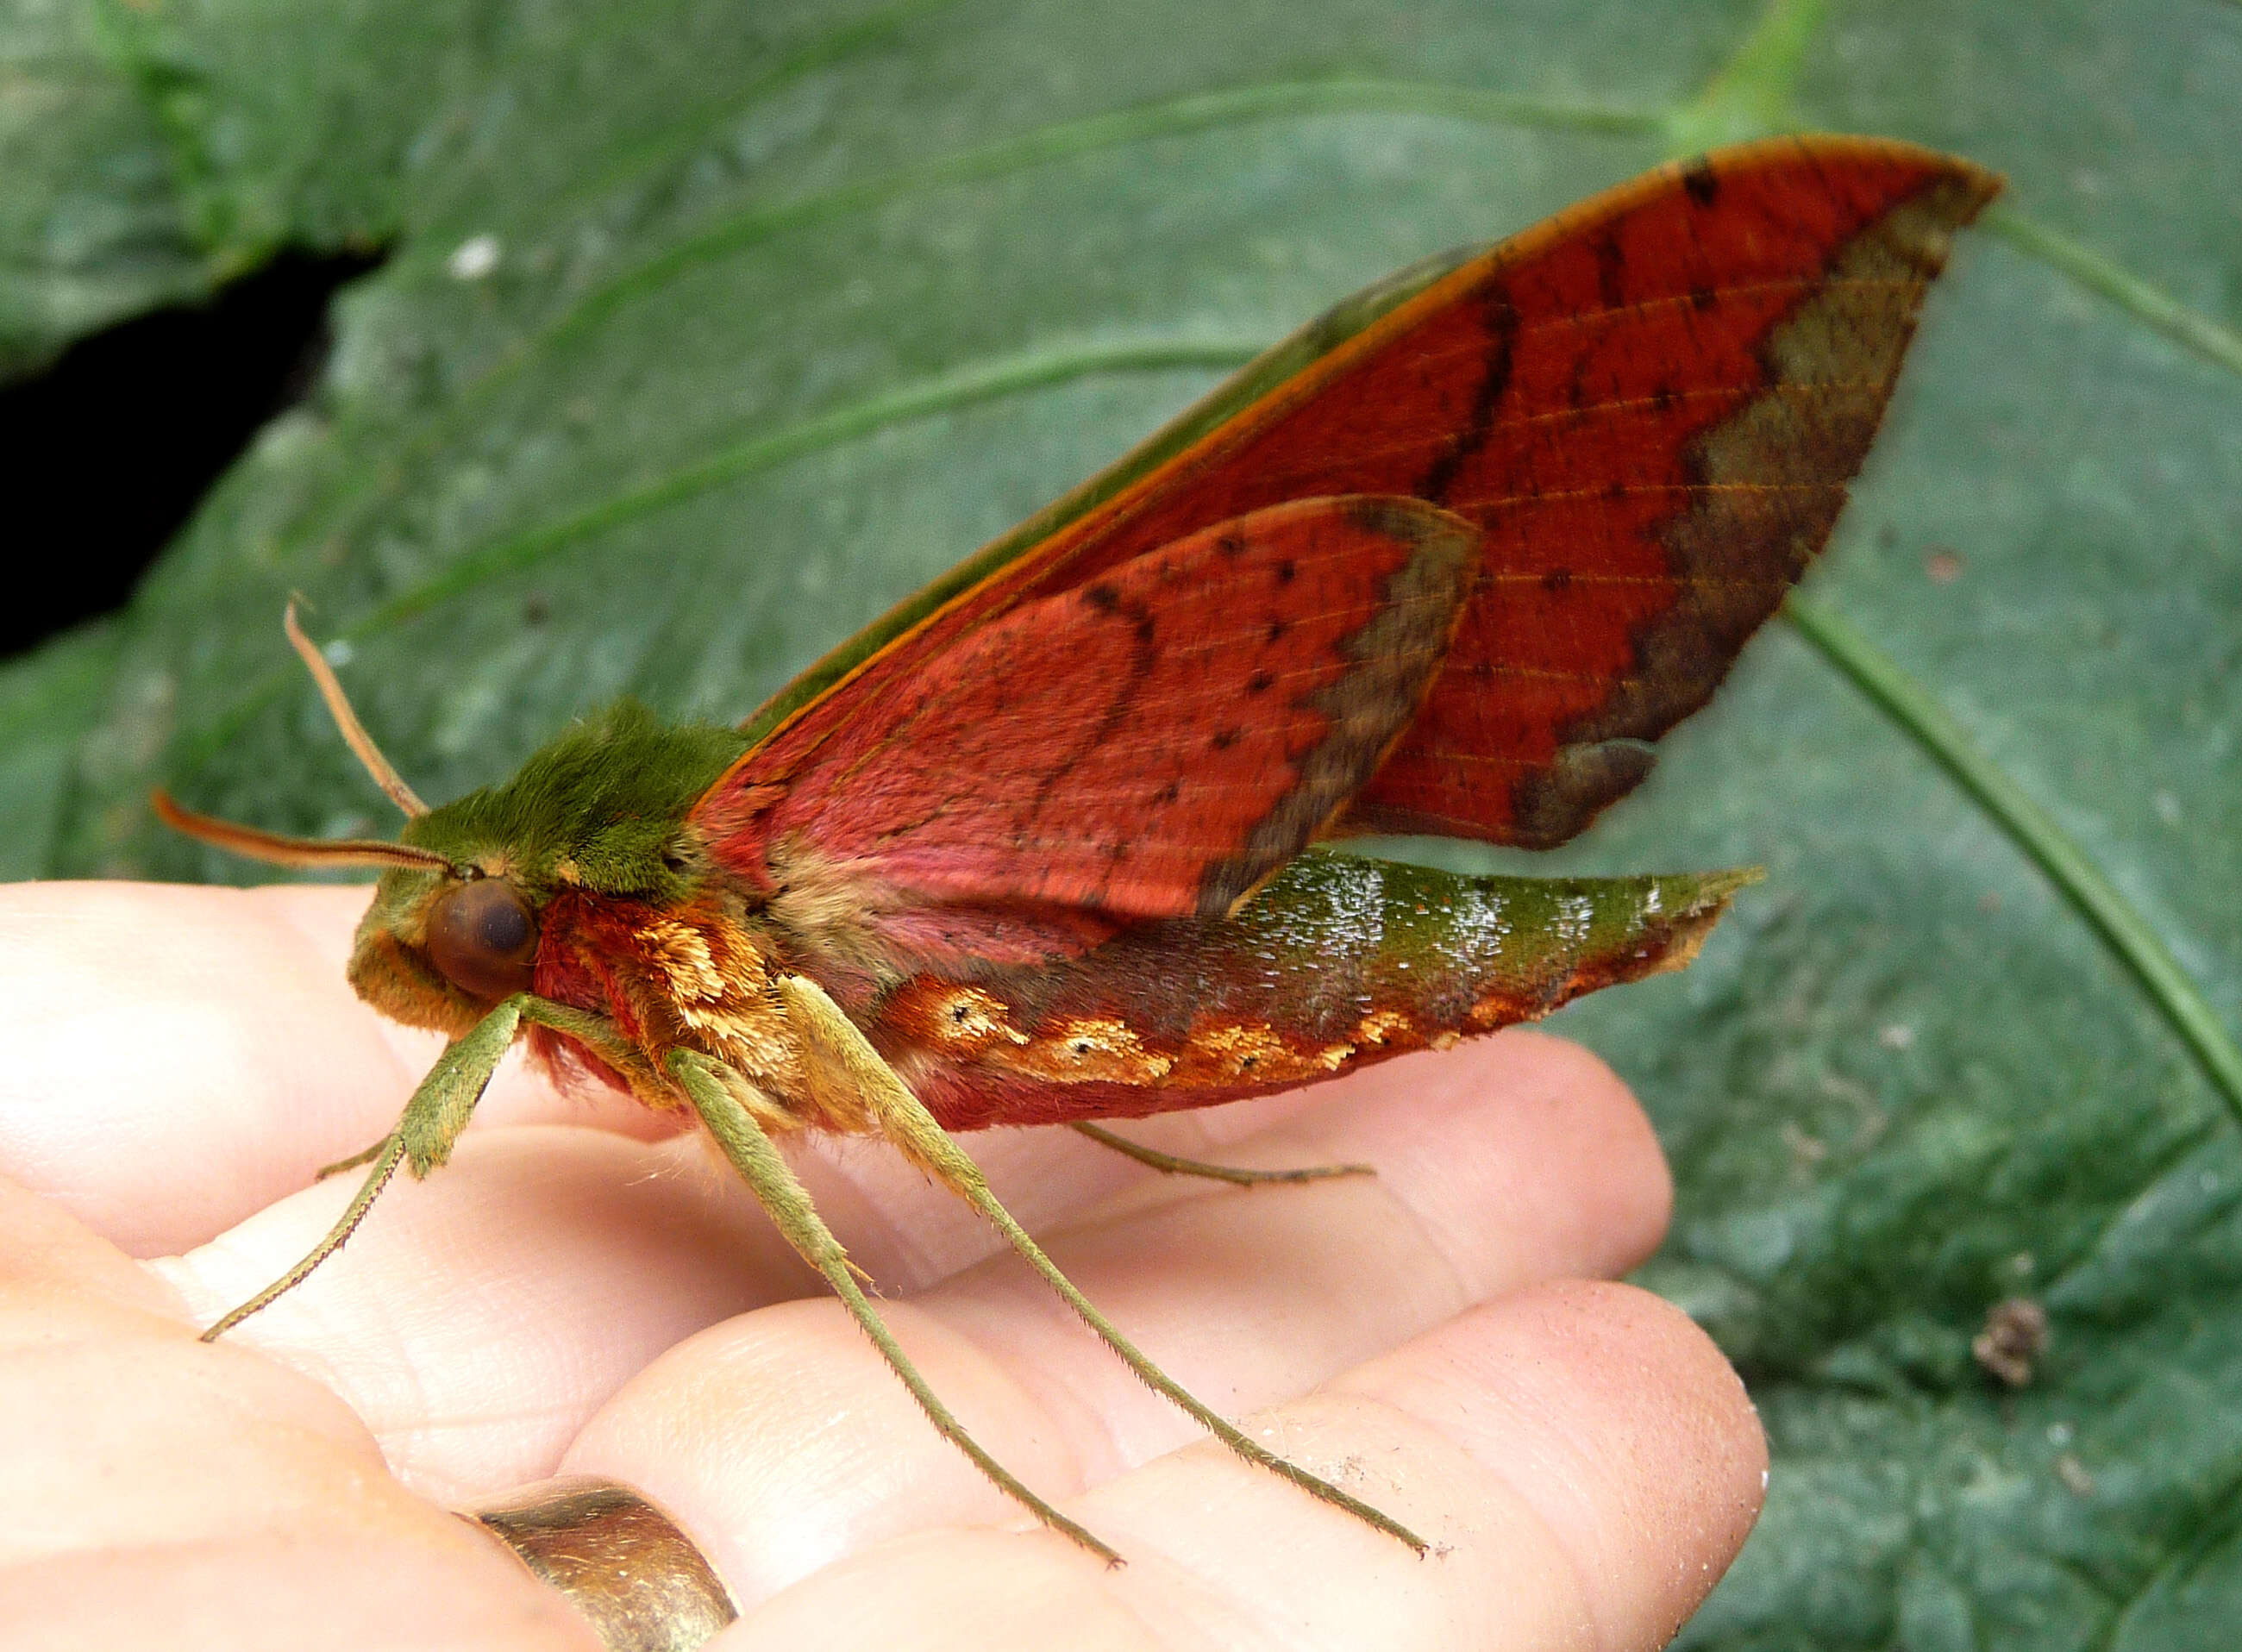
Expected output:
(575, 1293)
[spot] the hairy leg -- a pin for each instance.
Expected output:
(773, 1181)
(839, 1055)
(1173, 1164)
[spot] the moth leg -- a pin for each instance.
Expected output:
(838, 1054)
(1169, 1165)
(756, 1158)
(365, 1157)
(423, 1139)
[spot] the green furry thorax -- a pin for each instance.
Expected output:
(601, 808)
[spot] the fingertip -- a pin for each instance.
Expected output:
(151, 1089)
(1616, 1419)
(1600, 1144)
(1582, 1460)
(324, 916)
(1524, 1135)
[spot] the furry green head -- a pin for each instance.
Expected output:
(602, 808)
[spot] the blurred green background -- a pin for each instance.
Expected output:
(706, 330)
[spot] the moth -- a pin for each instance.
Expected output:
(1038, 847)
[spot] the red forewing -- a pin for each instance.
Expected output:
(1650, 404)
(1682, 391)
(1149, 743)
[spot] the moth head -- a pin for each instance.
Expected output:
(449, 933)
(439, 949)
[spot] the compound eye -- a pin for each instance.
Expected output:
(483, 936)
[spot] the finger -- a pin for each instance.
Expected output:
(179, 1058)
(1585, 1461)
(477, 1320)
(167, 1493)
(803, 1447)
(269, 1591)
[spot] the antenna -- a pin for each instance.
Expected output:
(353, 731)
(281, 850)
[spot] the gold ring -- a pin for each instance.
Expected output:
(625, 1565)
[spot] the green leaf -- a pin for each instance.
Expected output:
(712, 330)
(90, 224)
(47, 705)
